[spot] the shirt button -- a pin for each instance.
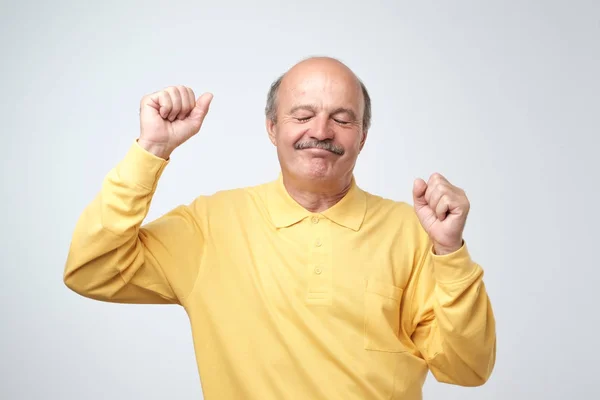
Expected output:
(318, 243)
(318, 271)
(315, 220)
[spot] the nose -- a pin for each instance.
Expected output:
(320, 129)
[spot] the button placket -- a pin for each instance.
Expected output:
(319, 272)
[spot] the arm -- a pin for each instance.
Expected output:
(114, 258)
(454, 326)
(454, 323)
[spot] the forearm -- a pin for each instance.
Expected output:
(103, 247)
(458, 338)
(106, 247)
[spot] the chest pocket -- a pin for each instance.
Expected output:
(382, 316)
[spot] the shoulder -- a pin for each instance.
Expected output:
(244, 194)
(397, 215)
(377, 204)
(230, 199)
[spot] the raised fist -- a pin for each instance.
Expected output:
(442, 209)
(170, 117)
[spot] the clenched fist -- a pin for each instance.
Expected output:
(442, 209)
(170, 117)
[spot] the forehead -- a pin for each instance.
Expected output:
(322, 87)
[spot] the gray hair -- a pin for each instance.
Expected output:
(271, 107)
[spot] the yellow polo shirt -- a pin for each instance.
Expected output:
(350, 303)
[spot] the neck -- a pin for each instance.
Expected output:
(317, 196)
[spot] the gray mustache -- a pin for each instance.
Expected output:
(320, 144)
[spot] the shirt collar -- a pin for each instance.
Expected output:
(285, 211)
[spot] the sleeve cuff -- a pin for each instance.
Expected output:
(141, 167)
(454, 267)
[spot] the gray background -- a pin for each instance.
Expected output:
(500, 96)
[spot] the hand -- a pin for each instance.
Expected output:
(170, 117)
(442, 209)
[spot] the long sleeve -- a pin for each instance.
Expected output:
(114, 258)
(454, 323)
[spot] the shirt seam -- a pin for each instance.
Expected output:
(205, 237)
(416, 278)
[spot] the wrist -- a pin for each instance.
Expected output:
(140, 168)
(156, 149)
(442, 250)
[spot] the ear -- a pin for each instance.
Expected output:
(271, 130)
(363, 140)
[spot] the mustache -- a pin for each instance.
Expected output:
(320, 144)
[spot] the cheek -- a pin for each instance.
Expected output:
(350, 141)
(289, 135)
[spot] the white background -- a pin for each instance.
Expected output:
(502, 97)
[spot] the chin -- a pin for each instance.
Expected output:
(315, 171)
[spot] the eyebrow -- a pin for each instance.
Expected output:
(312, 108)
(342, 110)
(305, 107)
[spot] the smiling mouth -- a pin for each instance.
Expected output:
(318, 152)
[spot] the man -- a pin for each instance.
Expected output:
(306, 287)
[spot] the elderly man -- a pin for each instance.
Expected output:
(306, 287)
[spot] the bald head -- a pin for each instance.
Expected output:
(315, 68)
(319, 65)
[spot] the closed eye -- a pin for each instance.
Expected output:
(303, 119)
(339, 121)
